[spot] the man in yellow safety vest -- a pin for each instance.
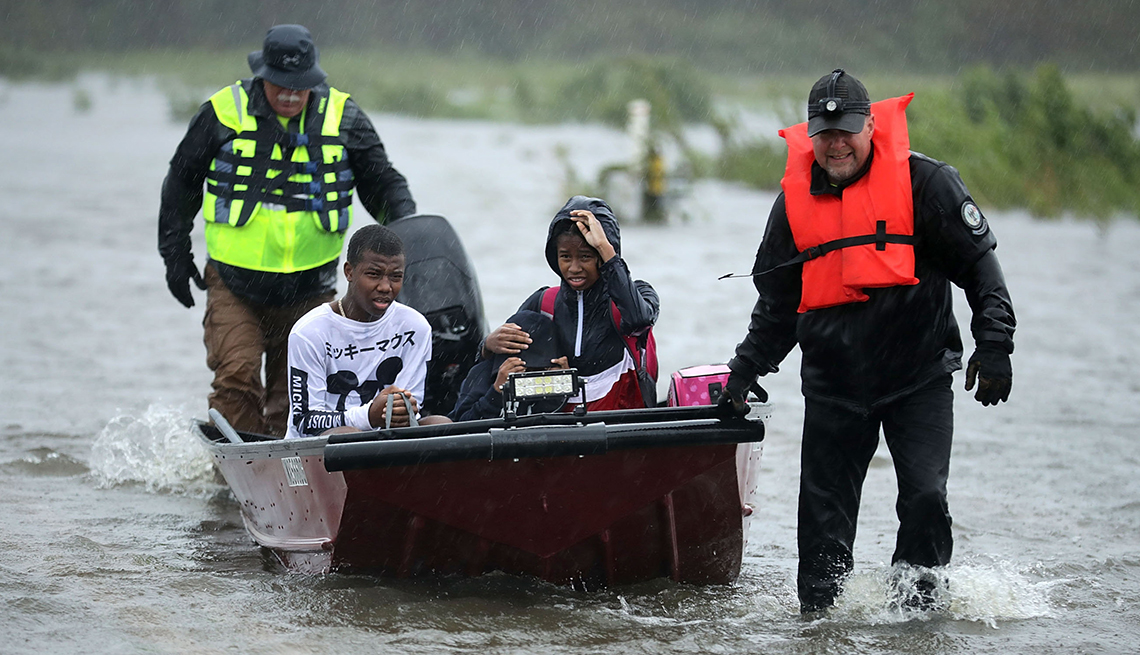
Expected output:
(278, 155)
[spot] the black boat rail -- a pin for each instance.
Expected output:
(542, 435)
(610, 417)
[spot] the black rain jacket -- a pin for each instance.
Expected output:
(602, 346)
(865, 354)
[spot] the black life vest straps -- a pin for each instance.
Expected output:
(288, 168)
(312, 196)
(319, 204)
(880, 239)
(264, 139)
(318, 201)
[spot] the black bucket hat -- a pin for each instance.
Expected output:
(288, 58)
(544, 344)
(838, 101)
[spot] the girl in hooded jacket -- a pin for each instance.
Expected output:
(583, 246)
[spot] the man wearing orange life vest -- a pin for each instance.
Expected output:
(855, 267)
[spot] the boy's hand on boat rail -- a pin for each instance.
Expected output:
(377, 410)
(507, 339)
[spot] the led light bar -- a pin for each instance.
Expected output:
(543, 384)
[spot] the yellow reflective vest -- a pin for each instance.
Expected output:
(277, 201)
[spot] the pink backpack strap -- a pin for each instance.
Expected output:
(547, 306)
(644, 355)
(630, 340)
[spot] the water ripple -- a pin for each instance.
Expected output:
(45, 462)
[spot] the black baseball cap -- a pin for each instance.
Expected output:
(288, 58)
(838, 101)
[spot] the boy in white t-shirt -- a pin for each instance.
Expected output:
(347, 356)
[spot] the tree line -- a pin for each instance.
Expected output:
(751, 36)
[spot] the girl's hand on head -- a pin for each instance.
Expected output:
(593, 233)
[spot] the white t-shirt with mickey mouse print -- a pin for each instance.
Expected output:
(338, 365)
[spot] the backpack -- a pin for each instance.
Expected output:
(698, 385)
(642, 346)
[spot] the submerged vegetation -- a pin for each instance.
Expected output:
(1020, 139)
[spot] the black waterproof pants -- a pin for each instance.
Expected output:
(837, 448)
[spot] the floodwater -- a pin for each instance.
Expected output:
(116, 537)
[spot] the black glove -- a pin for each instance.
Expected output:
(990, 366)
(736, 390)
(179, 271)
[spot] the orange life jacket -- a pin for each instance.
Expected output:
(864, 239)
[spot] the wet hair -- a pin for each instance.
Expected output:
(374, 238)
(569, 227)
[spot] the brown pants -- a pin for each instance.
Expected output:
(238, 334)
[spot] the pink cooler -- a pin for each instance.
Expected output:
(697, 385)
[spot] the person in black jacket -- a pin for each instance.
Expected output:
(877, 354)
(583, 246)
(279, 155)
(481, 395)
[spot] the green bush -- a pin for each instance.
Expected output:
(603, 91)
(422, 99)
(24, 64)
(1028, 142)
(1018, 140)
(759, 164)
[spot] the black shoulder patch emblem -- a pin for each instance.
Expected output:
(972, 217)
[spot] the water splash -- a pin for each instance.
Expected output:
(981, 592)
(158, 450)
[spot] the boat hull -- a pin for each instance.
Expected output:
(591, 521)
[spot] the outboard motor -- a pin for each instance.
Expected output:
(440, 283)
